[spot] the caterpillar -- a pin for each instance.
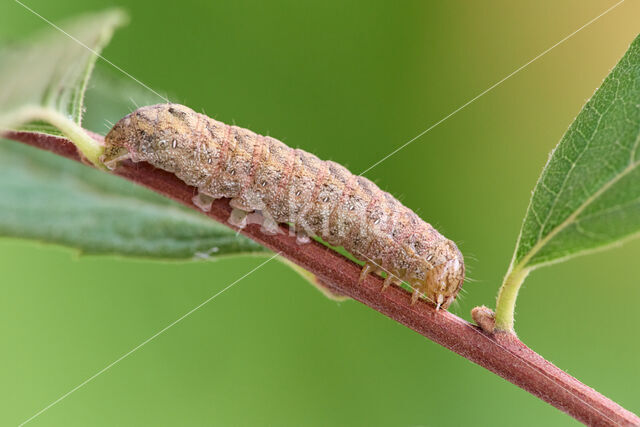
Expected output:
(271, 183)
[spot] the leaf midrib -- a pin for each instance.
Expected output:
(582, 152)
(571, 218)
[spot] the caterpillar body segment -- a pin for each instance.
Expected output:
(265, 178)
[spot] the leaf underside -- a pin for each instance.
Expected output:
(588, 195)
(51, 199)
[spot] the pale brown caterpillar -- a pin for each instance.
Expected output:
(286, 185)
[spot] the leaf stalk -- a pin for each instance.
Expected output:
(506, 302)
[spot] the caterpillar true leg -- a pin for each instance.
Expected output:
(391, 279)
(368, 268)
(415, 295)
(113, 163)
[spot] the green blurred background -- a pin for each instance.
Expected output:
(349, 81)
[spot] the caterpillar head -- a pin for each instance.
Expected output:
(145, 132)
(119, 140)
(444, 281)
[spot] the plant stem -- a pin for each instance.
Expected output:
(501, 352)
(506, 302)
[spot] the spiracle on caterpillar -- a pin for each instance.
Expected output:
(271, 183)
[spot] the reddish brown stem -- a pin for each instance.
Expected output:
(501, 353)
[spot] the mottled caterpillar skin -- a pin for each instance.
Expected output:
(286, 185)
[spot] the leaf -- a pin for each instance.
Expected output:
(588, 196)
(55, 200)
(313, 280)
(44, 79)
(51, 70)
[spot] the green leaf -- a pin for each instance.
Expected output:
(588, 196)
(51, 70)
(44, 78)
(314, 281)
(56, 200)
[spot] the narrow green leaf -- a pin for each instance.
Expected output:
(51, 70)
(55, 200)
(44, 78)
(314, 281)
(588, 196)
(589, 193)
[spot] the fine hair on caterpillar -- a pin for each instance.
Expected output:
(270, 183)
